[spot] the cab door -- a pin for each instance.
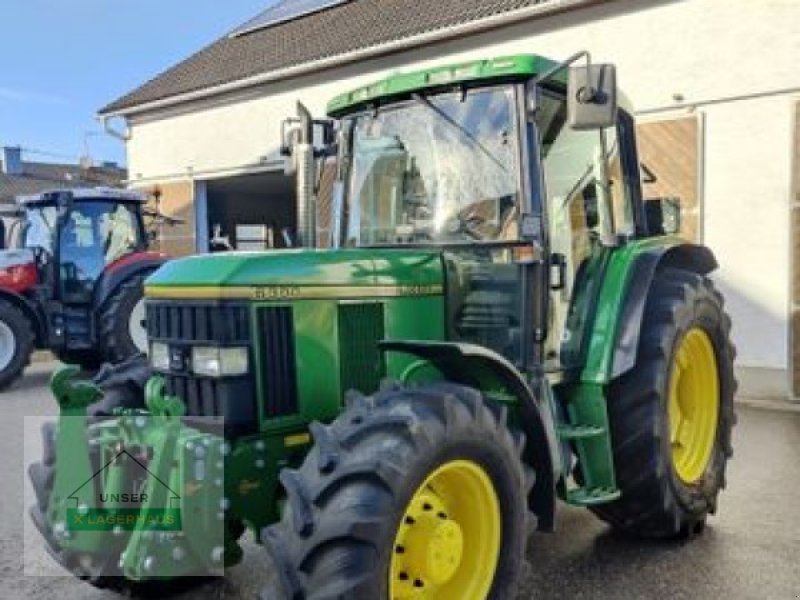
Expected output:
(589, 213)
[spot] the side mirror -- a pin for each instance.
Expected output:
(663, 216)
(592, 96)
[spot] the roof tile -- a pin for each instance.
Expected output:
(355, 25)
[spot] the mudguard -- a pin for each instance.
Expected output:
(123, 269)
(483, 369)
(691, 257)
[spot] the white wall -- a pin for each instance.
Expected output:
(712, 53)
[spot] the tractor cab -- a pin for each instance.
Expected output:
(76, 237)
(518, 186)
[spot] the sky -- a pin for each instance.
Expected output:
(62, 60)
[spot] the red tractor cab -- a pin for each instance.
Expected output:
(71, 278)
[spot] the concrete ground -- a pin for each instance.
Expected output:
(751, 549)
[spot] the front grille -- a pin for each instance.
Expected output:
(182, 325)
(216, 323)
(362, 365)
(279, 371)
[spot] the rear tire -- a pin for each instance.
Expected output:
(658, 500)
(16, 343)
(122, 327)
(350, 501)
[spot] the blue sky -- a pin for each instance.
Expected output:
(62, 60)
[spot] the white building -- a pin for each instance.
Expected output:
(716, 86)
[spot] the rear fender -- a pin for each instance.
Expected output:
(483, 369)
(122, 270)
(615, 336)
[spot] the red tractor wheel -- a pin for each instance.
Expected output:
(123, 331)
(16, 343)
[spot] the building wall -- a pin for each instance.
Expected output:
(795, 253)
(733, 62)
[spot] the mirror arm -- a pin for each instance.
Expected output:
(566, 63)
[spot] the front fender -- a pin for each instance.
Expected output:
(483, 369)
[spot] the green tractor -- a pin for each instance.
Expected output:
(499, 323)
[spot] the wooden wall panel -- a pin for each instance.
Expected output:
(668, 149)
(176, 199)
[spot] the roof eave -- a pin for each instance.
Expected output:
(493, 22)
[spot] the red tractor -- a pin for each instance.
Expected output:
(71, 278)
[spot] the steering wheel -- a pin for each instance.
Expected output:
(459, 223)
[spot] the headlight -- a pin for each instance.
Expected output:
(219, 362)
(159, 356)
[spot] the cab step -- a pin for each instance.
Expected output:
(579, 432)
(591, 496)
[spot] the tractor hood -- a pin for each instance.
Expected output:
(294, 274)
(18, 271)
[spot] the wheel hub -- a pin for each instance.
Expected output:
(137, 326)
(448, 540)
(8, 345)
(433, 542)
(693, 405)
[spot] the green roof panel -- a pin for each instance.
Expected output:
(518, 66)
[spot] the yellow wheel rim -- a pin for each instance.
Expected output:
(448, 539)
(693, 405)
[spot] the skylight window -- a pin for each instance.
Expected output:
(284, 11)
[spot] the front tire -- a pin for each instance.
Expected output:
(408, 489)
(671, 416)
(16, 343)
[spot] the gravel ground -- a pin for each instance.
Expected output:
(751, 549)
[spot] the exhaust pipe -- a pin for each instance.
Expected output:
(304, 160)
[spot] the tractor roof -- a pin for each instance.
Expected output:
(521, 66)
(95, 193)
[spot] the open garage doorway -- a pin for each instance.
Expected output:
(250, 212)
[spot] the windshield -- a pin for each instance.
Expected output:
(439, 169)
(37, 228)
